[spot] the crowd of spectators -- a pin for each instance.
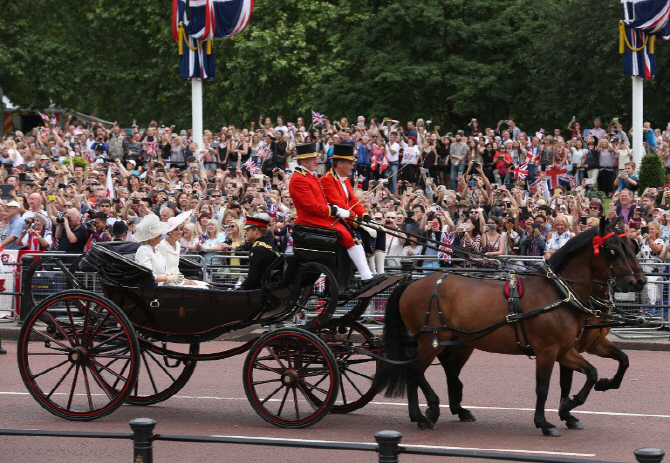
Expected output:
(494, 191)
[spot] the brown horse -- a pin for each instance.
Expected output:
(594, 339)
(462, 314)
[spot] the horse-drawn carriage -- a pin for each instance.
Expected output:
(82, 355)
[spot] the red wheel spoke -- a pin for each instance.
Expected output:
(256, 383)
(123, 370)
(50, 369)
(344, 373)
(311, 399)
(60, 381)
(101, 383)
(69, 314)
(106, 341)
(315, 386)
(360, 374)
(110, 371)
(295, 401)
(49, 338)
(161, 366)
(151, 376)
(272, 394)
(287, 352)
(87, 312)
(60, 328)
(274, 355)
(88, 389)
(74, 386)
(98, 326)
(283, 402)
(262, 366)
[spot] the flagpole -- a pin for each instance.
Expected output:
(638, 120)
(196, 108)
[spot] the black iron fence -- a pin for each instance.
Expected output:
(387, 445)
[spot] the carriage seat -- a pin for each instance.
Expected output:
(116, 269)
(315, 244)
(188, 268)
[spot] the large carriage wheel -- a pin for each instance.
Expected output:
(65, 365)
(319, 293)
(291, 378)
(357, 371)
(44, 277)
(165, 370)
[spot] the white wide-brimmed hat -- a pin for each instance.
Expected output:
(174, 222)
(150, 227)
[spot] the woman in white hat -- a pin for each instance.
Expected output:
(148, 233)
(37, 234)
(170, 248)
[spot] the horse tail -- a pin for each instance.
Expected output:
(392, 378)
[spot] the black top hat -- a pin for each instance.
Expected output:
(306, 151)
(344, 151)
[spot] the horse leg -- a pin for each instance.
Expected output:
(452, 361)
(433, 410)
(574, 361)
(606, 349)
(566, 383)
(544, 364)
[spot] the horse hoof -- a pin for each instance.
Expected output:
(466, 416)
(425, 425)
(574, 424)
(551, 432)
(432, 416)
(603, 384)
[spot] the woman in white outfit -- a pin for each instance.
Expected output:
(169, 249)
(148, 233)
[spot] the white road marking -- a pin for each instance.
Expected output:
(402, 404)
(534, 452)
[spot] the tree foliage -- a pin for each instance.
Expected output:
(652, 172)
(445, 60)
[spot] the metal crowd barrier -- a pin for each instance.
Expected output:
(387, 446)
(652, 304)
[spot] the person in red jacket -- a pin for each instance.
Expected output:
(312, 208)
(336, 183)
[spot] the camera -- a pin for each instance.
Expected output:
(60, 220)
(90, 224)
(136, 201)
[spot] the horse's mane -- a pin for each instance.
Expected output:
(573, 246)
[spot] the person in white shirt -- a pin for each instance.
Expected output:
(170, 248)
(410, 161)
(148, 233)
(393, 157)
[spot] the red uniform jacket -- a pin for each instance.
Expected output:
(335, 194)
(311, 205)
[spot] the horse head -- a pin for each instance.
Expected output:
(611, 258)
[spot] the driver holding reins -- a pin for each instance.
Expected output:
(312, 207)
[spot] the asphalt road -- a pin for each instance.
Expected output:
(498, 389)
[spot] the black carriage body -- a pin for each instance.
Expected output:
(181, 314)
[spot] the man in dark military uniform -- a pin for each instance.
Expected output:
(262, 252)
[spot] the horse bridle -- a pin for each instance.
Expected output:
(609, 253)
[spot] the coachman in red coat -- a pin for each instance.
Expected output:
(312, 207)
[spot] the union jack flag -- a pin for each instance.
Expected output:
(557, 176)
(318, 118)
(521, 171)
(534, 185)
(272, 210)
(263, 153)
(250, 164)
(152, 148)
(445, 251)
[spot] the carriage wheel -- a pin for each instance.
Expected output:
(164, 371)
(319, 298)
(44, 276)
(357, 371)
(291, 378)
(65, 366)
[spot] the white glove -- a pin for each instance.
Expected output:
(174, 279)
(371, 231)
(342, 213)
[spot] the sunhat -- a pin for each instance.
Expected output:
(150, 227)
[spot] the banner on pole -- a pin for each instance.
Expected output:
(641, 22)
(196, 22)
